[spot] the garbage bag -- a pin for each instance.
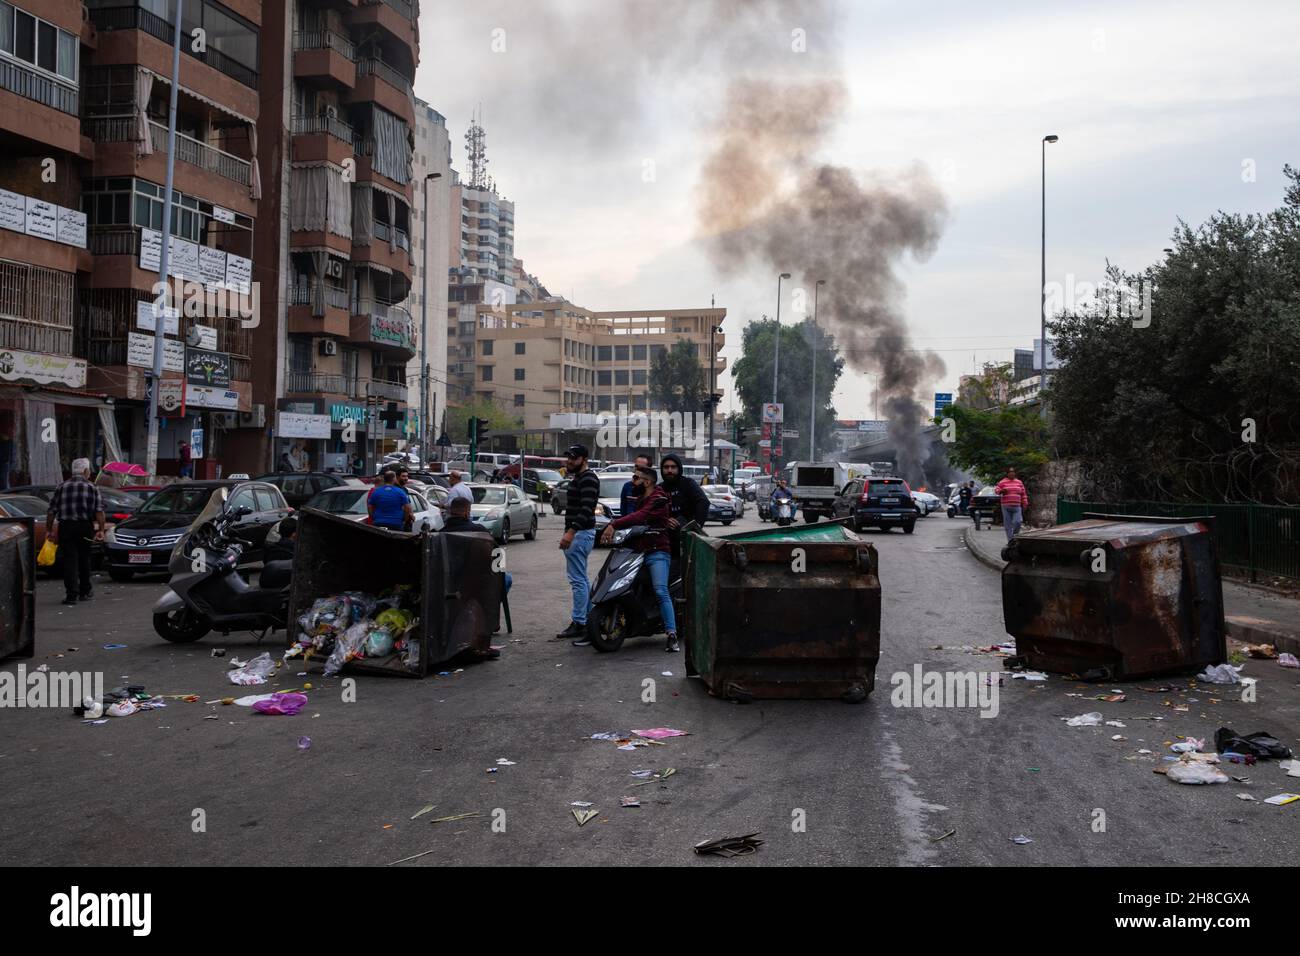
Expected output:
(378, 642)
(1195, 771)
(1258, 744)
(48, 554)
(255, 671)
(348, 646)
(1220, 674)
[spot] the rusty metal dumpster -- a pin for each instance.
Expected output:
(1116, 596)
(787, 613)
(17, 588)
(460, 592)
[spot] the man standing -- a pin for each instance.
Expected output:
(389, 505)
(964, 494)
(74, 504)
(187, 461)
(579, 538)
(1014, 500)
(457, 489)
(629, 499)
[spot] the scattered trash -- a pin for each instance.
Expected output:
(607, 735)
(407, 859)
(1021, 840)
(1262, 651)
(455, 816)
(1282, 799)
(1288, 660)
(1220, 674)
(1246, 796)
(1260, 745)
(281, 704)
(1025, 675)
(584, 816)
(1083, 720)
(630, 802)
(658, 733)
(1144, 751)
(1194, 772)
(666, 674)
(633, 744)
(642, 774)
(122, 708)
(423, 810)
(304, 743)
(503, 762)
(114, 647)
(491, 769)
(581, 803)
(248, 701)
(943, 836)
(1119, 737)
(1114, 723)
(255, 671)
(1187, 746)
(1292, 767)
(218, 652)
(729, 846)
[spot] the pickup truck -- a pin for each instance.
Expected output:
(815, 486)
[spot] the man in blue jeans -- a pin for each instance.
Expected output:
(579, 538)
(655, 513)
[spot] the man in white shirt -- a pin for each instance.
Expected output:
(458, 489)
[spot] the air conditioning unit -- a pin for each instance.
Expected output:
(334, 267)
(253, 419)
(329, 347)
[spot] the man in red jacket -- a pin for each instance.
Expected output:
(655, 512)
(1015, 502)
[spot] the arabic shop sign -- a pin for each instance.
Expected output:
(211, 369)
(339, 413)
(391, 330)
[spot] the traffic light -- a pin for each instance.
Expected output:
(480, 428)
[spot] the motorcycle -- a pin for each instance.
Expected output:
(623, 601)
(208, 592)
(783, 511)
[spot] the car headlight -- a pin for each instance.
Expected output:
(111, 537)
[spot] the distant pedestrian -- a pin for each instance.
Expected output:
(358, 465)
(75, 505)
(1015, 502)
(389, 505)
(579, 538)
(186, 460)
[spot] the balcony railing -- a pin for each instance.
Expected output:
(200, 154)
(335, 296)
(392, 391)
(116, 128)
(324, 40)
(401, 6)
(113, 240)
(317, 383)
(310, 125)
(377, 67)
(382, 232)
(17, 78)
(134, 18)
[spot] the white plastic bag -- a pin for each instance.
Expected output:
(1194, 771)
(1084, 720)
(1220, 674)
(255, 671)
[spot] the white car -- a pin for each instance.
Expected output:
(729, 495)
(926, 502)
(349, 501)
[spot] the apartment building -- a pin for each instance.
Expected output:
(429, 269)
(541, 358)
(337, 139)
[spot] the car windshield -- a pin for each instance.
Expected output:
(988, 490)
(116, 499)
(549, 476)
(613, 487)
(178, 499)
(718, 490)
(489, 496)
(348, 501)
(24, 506)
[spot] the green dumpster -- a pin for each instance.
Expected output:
(785, 613)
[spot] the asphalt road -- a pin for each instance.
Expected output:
(871, 783)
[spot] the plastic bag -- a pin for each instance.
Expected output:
(378, 642)
(1194, 771)
(1258, 744)
(1084, 720)
(255, 671)
(1220, 674)
(287, 704)
(347, 647)
(48, 554)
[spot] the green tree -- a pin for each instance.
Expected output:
(1198, 403)
(986, 442)
(677, 381)
(457, 418)
(753, 377)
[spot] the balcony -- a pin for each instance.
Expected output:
(319, 383)
(334, 320)
(108, 19)
(325, 56)
(200, 154)
(336, 297)
(378, 325)
(32, 85)
(324, 40)
(383, 231)
(373, 66)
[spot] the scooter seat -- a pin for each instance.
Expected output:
(276, 574)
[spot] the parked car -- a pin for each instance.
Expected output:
(883, 503)
(299, 487)
(118, 506)
(611, 490)
(560, 496)
(926, 502)
(431, 478)
(503, 510)
(34, 501)
(143, 544)
(988, 504)
(349, 501)
(730, 495)
(722, 503)
(141, 493)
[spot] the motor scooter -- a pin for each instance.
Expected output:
(623, 601)
(207, 591)
(783, 511)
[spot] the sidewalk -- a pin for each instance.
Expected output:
(1253, 614)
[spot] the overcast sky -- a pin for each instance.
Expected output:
(599, 112)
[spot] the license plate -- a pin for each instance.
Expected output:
(140, 557)
(889, 501)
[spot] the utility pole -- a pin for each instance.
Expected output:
(713, 377)
(812, 414)
(424, 326)
(164, 256)
(774, 434)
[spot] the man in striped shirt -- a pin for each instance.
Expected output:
(1014, 500)
(579, 538)
(75, 504)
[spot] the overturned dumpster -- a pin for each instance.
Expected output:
(445, 582)
(1116, 596)
(787, 613)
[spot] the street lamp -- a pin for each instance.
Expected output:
(424, 327)
(713, 383)
(776, 364)
(812, 415)
(1042, 283)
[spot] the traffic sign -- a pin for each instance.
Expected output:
(941, 401)
(790, 433)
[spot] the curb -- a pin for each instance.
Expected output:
(1283, 641)
(988, 560)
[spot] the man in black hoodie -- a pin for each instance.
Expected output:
(687, 503)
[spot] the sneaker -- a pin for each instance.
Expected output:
(573, 630)
(672, 647)
(582, 642)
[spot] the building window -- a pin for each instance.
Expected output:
(638, 376)
(658, 350)
(487, 373)
(37, 42)
(519, 348)
(620, 353)
(519, 401)
(487, 346)
(519, 375)
(603, 403)
(605, 353)
(603, 378)
(620, 377)
(638, 353)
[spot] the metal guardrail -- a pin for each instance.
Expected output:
(134, 18)
(324, 40)
(392, 391)
(200, 154)
(310, 125)
(315, 383)
(113, 240)
(377, 67)
(17, 78)
(1251, 538)
(335, 296)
